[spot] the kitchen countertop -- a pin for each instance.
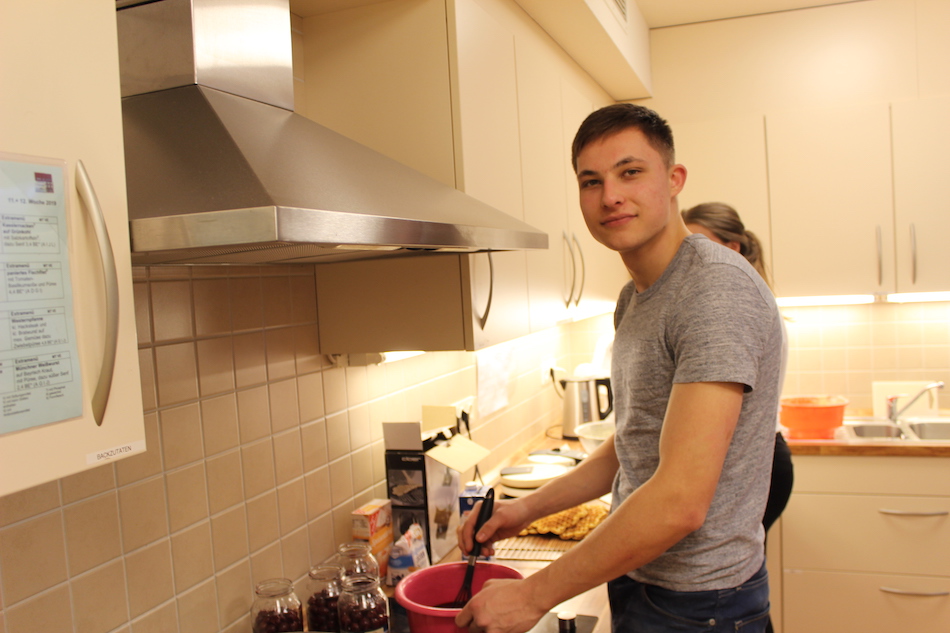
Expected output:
(876, 448)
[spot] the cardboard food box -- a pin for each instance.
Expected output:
(372, 522)
(424, 484)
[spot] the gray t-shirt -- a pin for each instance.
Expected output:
(708, 318)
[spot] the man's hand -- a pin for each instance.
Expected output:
(508, 519)
(502, 606)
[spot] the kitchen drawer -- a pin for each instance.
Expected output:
(837, 602)
(883, 475)
(867, 533)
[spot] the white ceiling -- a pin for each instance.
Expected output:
(657, 13)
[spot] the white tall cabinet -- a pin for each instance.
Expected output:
(61, 100)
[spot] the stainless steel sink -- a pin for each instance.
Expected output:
(876, 431)
(930, 428)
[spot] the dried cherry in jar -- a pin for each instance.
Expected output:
(324, 588)
(363, 606)
(276, 608)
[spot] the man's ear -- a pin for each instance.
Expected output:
(677, 179)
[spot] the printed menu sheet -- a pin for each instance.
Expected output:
(40, 378)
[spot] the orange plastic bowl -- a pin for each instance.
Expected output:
(812, 417)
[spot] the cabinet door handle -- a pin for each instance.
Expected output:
(580, 255)
(913, 254)
(570, 250)
(100, 398)
(880, 257)
(483, 319)
(921, 594)
(907, 513)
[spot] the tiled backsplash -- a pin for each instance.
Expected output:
(259, 448)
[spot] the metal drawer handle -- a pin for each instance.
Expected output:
(580, 255)
(906, 513)
(483, 318)
(570, 250)
(920, 594)
(913, 253)
(100, 399)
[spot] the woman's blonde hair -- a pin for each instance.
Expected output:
(724, 222)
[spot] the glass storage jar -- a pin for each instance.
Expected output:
(324, 588)
(357, 558)
(276, 608)
(363, 605)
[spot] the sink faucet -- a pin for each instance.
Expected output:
(894, 414)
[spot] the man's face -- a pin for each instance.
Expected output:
(626, 190)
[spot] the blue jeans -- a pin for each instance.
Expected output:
(636, 607)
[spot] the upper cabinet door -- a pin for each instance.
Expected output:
(922, 194)
(832, 201)
(61, 100)
(725, 162)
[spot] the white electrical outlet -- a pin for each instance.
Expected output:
(547, 366)
(465, 405)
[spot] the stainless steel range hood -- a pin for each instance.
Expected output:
(220, 169)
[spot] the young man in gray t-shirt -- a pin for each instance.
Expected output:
(696, 361)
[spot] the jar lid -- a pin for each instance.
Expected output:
(273, 587)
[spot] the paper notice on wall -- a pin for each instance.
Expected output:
(493, 366)
(39, 363)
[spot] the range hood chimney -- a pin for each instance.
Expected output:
(221, 170)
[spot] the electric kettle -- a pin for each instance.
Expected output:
(585, 400)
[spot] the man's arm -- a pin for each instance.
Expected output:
(697, 432)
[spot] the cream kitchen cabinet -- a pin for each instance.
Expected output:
(61, 101)
(725, 161)
(921, 194)
(864, 545)
(831, 196)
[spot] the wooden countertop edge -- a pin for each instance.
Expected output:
(883, 448)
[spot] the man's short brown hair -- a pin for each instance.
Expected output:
(621, 116)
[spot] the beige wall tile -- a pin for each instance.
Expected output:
(187, 496)
(253, 414)
(48, 612)
(225, 483)
(284, 412)
(263, 525)
(234, 594)
(219, 424)
(317, 486)
(322, 540)
(287, 456)
(360, 426)
(303, 292)
(310, 396)
(27, 503)
(250, 362)
(92, 532)
(295, 553)
(292, 505)
(176, 373)
(267, 564)
(169, 272)
(142, 513)
(334, 389)
(215, 366)
(32, 557)
(149, 577)
(307, 349)
(229, 537)
(198, 610)
(247, 299)
(357, 386)
(143, 313)
(277, 302)
(257, 463)
(338, 435)
(281, 358)
(181, 435)
(161, 620)
(313, 438)
(362, 469)
(147, 378)
(212, 307)
(171, 310)
(142, 465)
(191, 556)
(341, 480)
(99, 599)
(88, 483)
